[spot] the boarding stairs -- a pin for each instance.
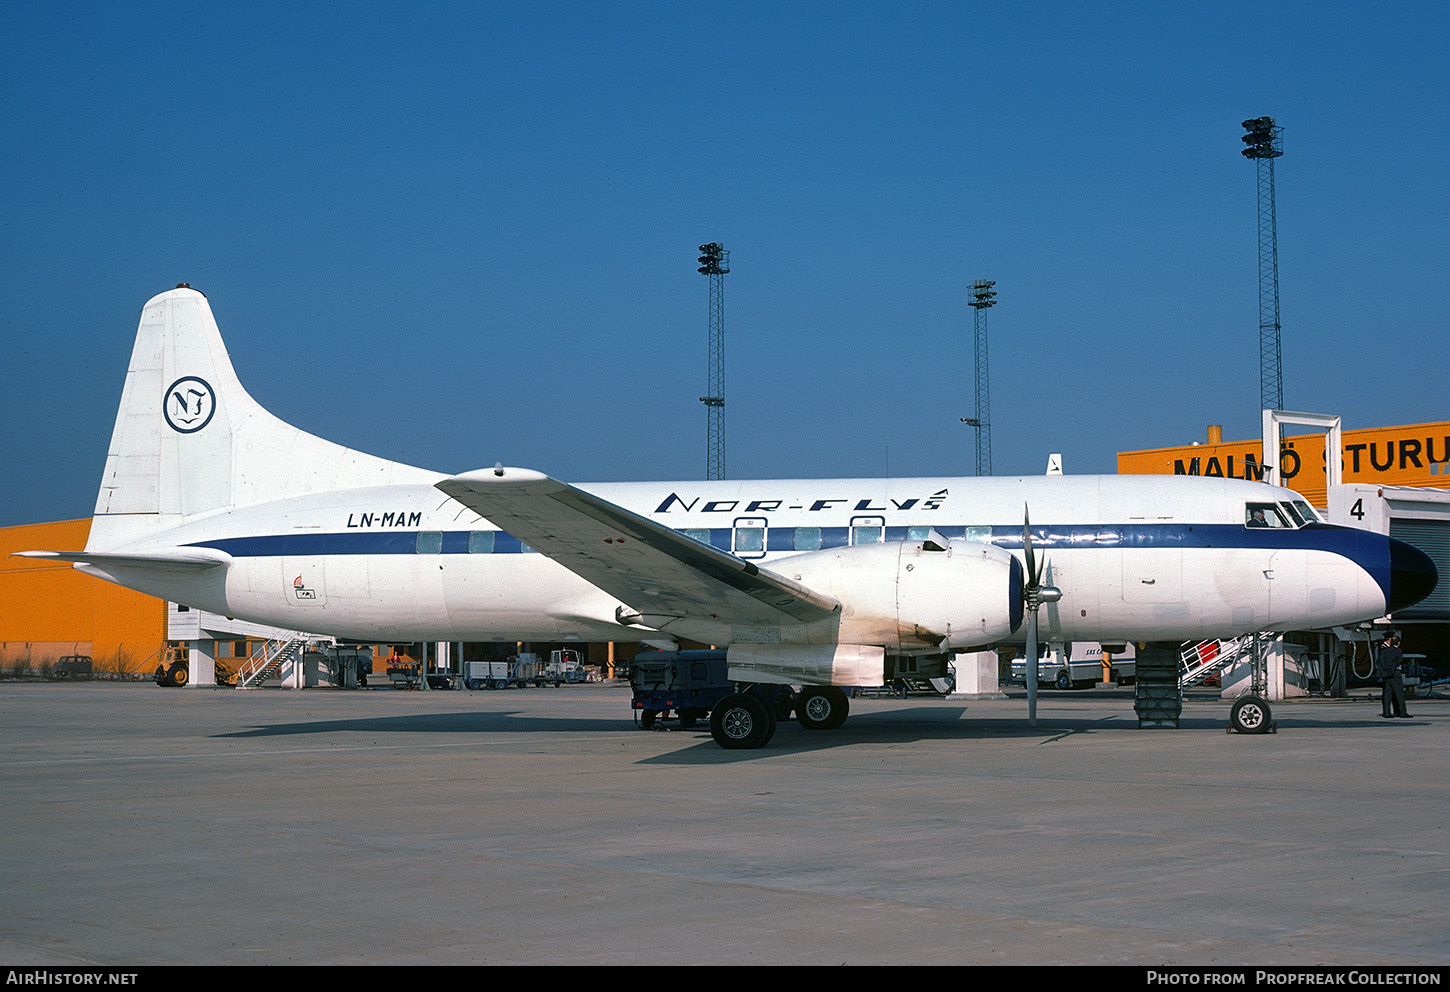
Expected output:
(270, 656)
(1198, 661)
(905, 685)
(920, 685)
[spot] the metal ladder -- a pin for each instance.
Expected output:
(270, 657)
(1198, 661)
(920, 685)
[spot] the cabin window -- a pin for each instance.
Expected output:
(750, 540)
(1264, 515)
(918, 533)
(748, 537)
(430, 542)
(701, 534)
(868, 530)
(480, 542)
(808, 539)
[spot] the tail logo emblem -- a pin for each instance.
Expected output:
(189, 404)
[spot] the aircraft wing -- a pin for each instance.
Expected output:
(661, 574)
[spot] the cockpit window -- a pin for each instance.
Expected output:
(1264, 515)
(1293, 514)
(1306, 511)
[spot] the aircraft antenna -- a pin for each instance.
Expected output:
(1264, 145)
(714, 263)
(982, 299)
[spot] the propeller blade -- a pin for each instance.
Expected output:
(1031, 669)
(1032, 573)
(1030, 579)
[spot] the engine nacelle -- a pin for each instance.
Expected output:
(917, 597)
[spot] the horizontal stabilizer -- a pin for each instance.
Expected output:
(655, 570)
(177, 559)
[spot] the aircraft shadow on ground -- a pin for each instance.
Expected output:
(886, 729)
(937, 723)
(944, 724)
(494, 721)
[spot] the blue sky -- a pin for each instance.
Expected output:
(455, 234)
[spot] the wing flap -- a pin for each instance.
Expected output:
(656, 571)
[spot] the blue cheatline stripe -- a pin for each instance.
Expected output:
(1369, 550)
(1357, 544)
(401, 542)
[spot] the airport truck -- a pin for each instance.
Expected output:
(565, 666)
(175, 667)
(525, 669)
(487, 674)
(687, 685)
(517, 672)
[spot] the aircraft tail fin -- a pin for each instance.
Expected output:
(190, 441)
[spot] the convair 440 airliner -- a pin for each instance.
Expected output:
(210, 501)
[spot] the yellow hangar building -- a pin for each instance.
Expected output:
(49, 611)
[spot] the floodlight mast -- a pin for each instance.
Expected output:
(714, 263)
(982, 299)
(1264, 145)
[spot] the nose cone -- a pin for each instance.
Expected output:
(1412, 575)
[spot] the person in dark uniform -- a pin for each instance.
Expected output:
(1388, 666)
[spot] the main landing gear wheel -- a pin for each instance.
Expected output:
(1250, 715)
(741, 722)
(821, 707)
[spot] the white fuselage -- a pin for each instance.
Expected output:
(1136, 558)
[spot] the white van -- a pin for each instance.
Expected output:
(1078, 666)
